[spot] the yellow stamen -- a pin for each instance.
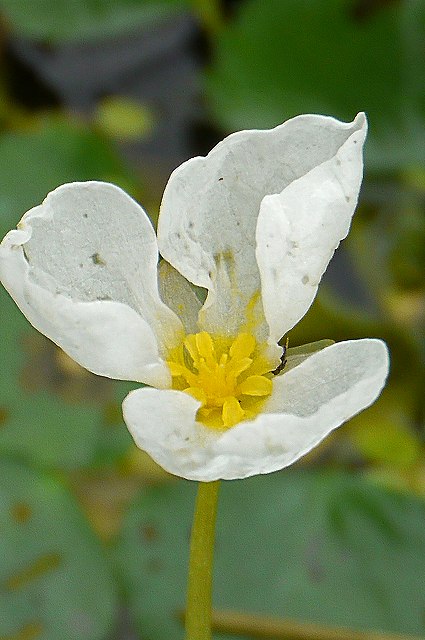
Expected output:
(230, 377)
(256, 386)
(204, 345)
(232, 412)
(244, 345)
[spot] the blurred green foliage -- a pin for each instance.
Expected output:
(47, 151)
(341, 547)
(348, 553)
(315, 56)
(46, 586)
(78, 20)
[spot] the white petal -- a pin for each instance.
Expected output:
(162, 422)
(108, 338)
(91, 241)
(299, 229)
(88, 244)
(295, 355)
(308, 402)
(210, 208)
(179, 295)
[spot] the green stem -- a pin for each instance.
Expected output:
(199, 589)
(268, 627)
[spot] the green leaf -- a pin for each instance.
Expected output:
(124, 119)
(54, 579)
(53, 410)
(53, 151)
(329, 549)
(295, 355)
(80, 20)
(39, 423)
(310, 347)
(279, 59)
(386, 434)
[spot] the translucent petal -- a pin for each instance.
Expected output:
(162, 422)
(307, 403)
(179, 295)
(88, 244)
(108, 338)
(299, 229)
(208, 220)
(91, 241)
(295, 355)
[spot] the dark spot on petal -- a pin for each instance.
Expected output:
(305, 279)
(220, 179)
(191, 225)
(21, 512)
(149, 533)
(81, 265)
(347, 198)
(85, 215)
(338, 161)
(98, 260)
(224, 257)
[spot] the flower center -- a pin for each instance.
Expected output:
(230, 377)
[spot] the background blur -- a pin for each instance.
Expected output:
(93, 536)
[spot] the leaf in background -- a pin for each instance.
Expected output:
(386, 433)
(124, 119)
(52, 408)
(279, 59)
(54, 580)
(53, 151)
(37, 423)
(79, 20)
(322, 548)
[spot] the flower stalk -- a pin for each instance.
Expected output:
(269, 627)
(199, 590)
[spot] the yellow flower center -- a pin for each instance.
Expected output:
(230, 377)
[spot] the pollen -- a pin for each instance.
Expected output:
(230, 377)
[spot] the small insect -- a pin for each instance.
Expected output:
(280, 367)
(220, 179)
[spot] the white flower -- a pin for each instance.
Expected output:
(255, 223)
